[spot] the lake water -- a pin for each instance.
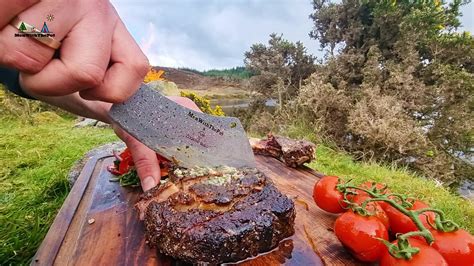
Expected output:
(230, 105)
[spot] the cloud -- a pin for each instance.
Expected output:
(156, 52)
(214, 33)
(147, 42)
(166, 48)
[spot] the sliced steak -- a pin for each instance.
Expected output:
(216, 215)
(292, 152)
(267, 147)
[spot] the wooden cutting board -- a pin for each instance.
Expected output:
(97, 224)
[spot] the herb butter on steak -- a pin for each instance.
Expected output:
(216, 215)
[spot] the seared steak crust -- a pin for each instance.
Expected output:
(214, 223)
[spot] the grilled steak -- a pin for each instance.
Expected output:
(267, 147)
(292, 152)
(216, 215)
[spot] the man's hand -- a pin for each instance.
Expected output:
(97, 64)
(9, 9)
(145, 160)
(98, 57)
(147, 165)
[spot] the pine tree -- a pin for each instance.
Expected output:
(22, 27)
(45, 28)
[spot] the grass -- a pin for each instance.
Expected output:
(34, 161)
(399, 180)
(36, 156)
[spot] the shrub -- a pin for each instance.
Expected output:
(384, 128)
(396, 84)
(203, 104)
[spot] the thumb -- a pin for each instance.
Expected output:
(145, 160)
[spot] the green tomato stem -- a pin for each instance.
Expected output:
(403, 248)
(441, 223)
(413, 215)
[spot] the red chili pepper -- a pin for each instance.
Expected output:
(126, 163)
(126, 154)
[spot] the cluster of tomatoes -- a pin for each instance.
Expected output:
(368, 223)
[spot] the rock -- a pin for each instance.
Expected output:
(466, 189)
(168, 88)
(102, 124)
(79, 164)
(88, 122)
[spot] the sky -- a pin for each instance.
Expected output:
(214, 34)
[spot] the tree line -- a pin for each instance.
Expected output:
(235, 72)
(396, 83)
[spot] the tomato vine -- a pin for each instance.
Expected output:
(402, 249)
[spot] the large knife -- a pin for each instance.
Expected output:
(182, 135)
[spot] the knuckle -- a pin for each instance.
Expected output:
(24, 4)
(23, 62)
(88, 76)
(28, 3)
(142, 163)
(125, 137)
(116, 97)
(141, 67)
(188, 102)
(145, 167)
(128, 139)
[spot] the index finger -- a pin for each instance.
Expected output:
(146, 163)
(9, 9)
(128, 68)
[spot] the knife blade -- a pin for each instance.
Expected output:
(183, 135)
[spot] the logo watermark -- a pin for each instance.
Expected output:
(26, 30)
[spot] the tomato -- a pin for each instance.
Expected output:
(372, 207)
(456, 247)
(426, 256)
(327, 197)
(358, 234)
(400, 223)
(379, 186)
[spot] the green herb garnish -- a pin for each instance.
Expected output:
(129, 179)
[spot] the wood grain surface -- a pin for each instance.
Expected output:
(97, 224)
